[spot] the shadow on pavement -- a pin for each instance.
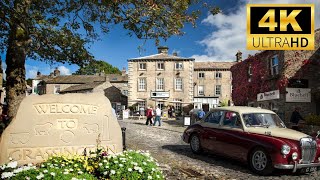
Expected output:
(219, 160)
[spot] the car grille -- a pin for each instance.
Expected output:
(308, 150)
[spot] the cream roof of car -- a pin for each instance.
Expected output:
(244, 109)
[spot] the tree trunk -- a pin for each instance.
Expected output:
(15, 72)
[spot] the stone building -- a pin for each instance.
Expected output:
(212, 84)
(160, 80)
(280, 81)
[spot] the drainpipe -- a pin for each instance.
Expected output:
(123, 129)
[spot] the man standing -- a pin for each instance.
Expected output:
(295, 118)
(149, 115)
(201, 114)
(158, 116)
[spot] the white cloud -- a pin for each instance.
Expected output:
(64, 70)
(4, 67)
(229, 34)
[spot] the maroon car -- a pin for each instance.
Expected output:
(256, 136)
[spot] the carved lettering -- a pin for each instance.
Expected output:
(67, 123)
(59, 108)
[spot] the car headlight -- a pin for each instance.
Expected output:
(285, 149)
(294, 155)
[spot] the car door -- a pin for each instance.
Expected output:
(232, 139)
(210, 129)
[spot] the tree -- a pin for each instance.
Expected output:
(54, 30)
(97, 67)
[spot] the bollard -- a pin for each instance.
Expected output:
(123, 129)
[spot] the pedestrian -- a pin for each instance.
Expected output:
(170, 111)
(149, 114)
(158, 116)
(295, 118)
(201, 114)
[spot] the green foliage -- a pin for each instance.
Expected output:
(129, 165)
(97, 67)
(313, 119)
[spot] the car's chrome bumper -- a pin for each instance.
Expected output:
(295, 166)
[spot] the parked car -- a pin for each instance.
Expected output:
(256, 136)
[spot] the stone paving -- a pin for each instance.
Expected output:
(178, 162)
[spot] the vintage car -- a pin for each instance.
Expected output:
(256, 136)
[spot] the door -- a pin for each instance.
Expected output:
(160, 104)
(210, 127)
(205, 107)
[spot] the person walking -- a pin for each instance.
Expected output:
(201, 114)
(295, 118)
(149, 114)
(158, 116)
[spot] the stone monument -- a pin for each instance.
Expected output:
(60, 124)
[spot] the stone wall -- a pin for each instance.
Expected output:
(50, 87)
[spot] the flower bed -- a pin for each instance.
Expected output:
(129, 165)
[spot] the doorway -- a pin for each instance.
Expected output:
(159, 104)
(205, 107)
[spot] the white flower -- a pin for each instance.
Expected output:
(116, 162)
(10, 159)
(157, 164)
(40, 176)
(105, 161)
(149, 177)
(140, 170)
(105, 173)
(70, 169)
(121, 165)
(80, 172)
(153, 169)
(158, 176)
(74, 178)
(12, 164)
(27, 178)
(76, 165)
(45, 171)
(112, 171)
(100, 164)
(144, 163)
(30, 164)
(6, 175)
(107, 167)
(129, 169)
(136, 168)
(66, 172)
(3, 167)
(52, 174)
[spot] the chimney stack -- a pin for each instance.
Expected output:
(163, 49)
(175, 54)
(38, 74)
(123, 72)
(56, 72)
(239, 56)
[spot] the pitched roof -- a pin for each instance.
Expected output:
(75, 79)
(213, 65)
(160, 56)
(87, 86)
(117, 77)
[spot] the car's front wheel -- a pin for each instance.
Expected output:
(260, 162)
(195, 144)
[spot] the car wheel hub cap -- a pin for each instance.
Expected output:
(195, 143)
(259, 160)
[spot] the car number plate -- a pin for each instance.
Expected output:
(310, 169)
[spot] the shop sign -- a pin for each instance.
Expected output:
(268, 95)
(298, 95)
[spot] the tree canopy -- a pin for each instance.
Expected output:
(60, 30)
(97, 67)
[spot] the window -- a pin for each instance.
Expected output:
(200, 90)
(56, 89)
(125, 92)
(160, 84)
(218, 75)
(231, 119)
(178, 84)
(141, 107)
(160, 66)
(201, 75)
(274, 65)
(177, 105)
(214, 117)
(125, 84)
(218, 90)
(142, 84)
(142, 66)
(178, 66)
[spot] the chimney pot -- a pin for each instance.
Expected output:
(56, 72)
(239, 56)
(163, 49)
(175, 54)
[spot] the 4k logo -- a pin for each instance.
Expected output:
(280, 27)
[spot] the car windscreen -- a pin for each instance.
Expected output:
(262, 120)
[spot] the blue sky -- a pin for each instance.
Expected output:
(216, 38)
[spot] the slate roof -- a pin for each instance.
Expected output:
(213, 65)
(80, 87)
(117, 77)
(75, 79)
(161, 56)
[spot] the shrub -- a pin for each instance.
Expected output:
(129, 165)
(313, 119)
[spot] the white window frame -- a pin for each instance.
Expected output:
(274, 68)
(160, 84)
(56, 89)
(142, 66)
(178, 66)
(142, 84)
(178, 106)
(216, 89)
(159, 64)
(178, 84)
(201, 90)
(218, 75)
(201, 75)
